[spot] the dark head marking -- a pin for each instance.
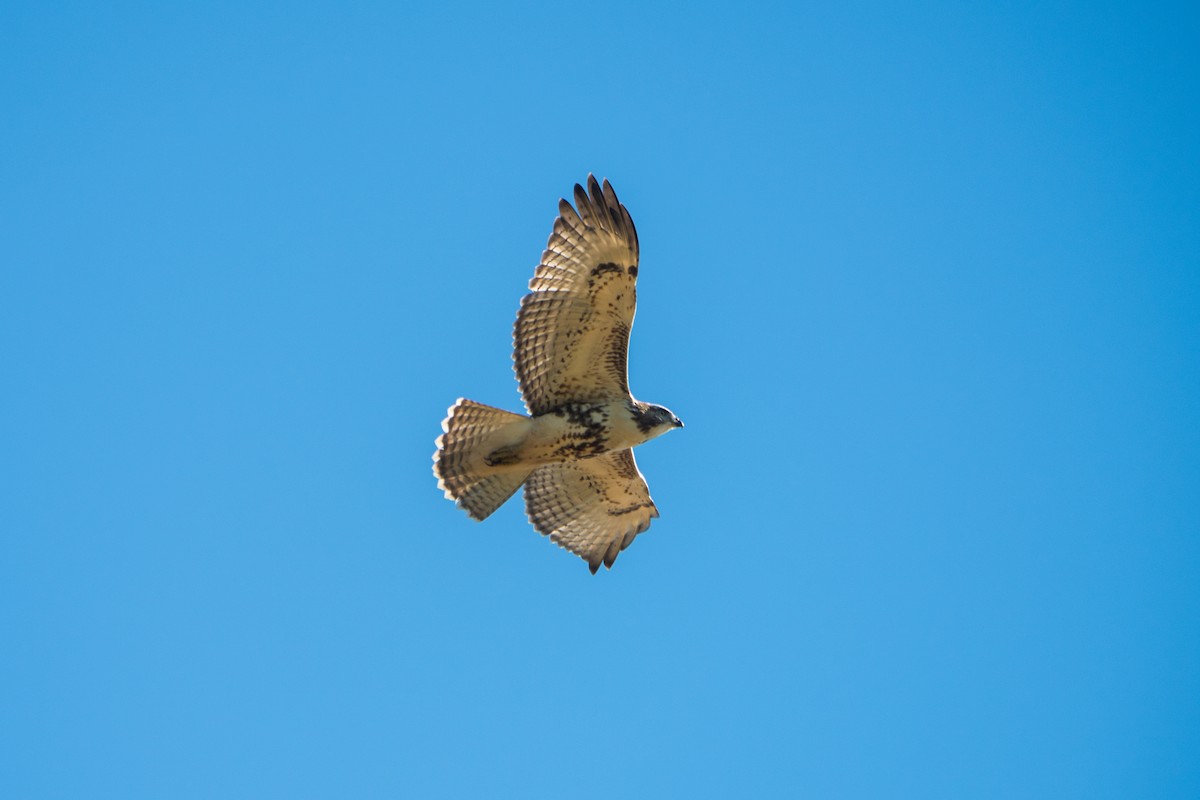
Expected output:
(648, 417)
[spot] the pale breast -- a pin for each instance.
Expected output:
(574, 431)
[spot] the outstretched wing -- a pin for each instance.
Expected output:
(593, 507)
(572, 333)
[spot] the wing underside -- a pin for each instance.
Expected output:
(593, 507)
(571, 338)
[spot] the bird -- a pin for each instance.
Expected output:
(573, 450)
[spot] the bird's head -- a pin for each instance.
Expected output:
(656, 420)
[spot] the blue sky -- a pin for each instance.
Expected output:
(922, 281)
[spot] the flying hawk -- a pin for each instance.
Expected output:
(570, 343)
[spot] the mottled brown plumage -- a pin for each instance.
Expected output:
(572, 332)
(570, 346)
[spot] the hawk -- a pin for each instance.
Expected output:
(573, 452)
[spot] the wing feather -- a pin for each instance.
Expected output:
(593, 507)
(571, 338)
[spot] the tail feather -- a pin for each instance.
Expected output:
(472, 431)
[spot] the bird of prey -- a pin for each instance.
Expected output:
(573, 451)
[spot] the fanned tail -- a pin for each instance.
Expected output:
(472, 431)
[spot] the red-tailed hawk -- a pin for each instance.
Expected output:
(573, 452)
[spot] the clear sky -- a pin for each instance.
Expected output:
(923, 281)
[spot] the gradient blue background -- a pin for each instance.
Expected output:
(922, 281)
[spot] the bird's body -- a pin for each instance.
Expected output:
(573, 431)
(573, 452)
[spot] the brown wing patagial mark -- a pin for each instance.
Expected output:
(603, 269)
